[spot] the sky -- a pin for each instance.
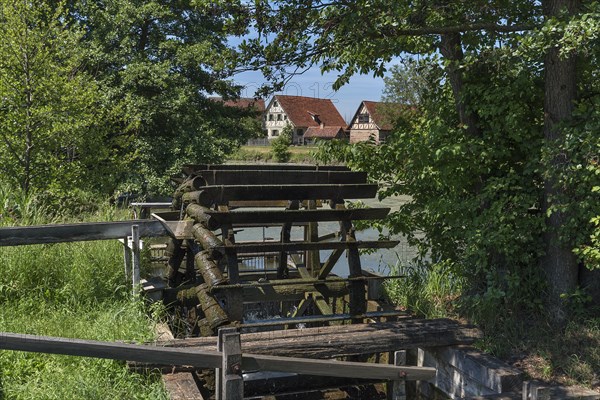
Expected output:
(313, 84)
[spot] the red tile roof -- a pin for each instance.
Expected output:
(326, 132)
(300, 111)
(373, 107)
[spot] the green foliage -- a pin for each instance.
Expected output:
(428, 290)
(71, 290)
(280, 147)
(49, 110)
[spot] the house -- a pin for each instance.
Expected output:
(319, 116)
(369, 122)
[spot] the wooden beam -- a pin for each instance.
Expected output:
(266, 247)
(347, 340)
(207, 358)
(330, 263)
(210, 195)
(197, 168)
(44, 234)
(115, 351)
(280, 177)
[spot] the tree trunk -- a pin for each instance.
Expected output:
(559, 262)
(451, 49)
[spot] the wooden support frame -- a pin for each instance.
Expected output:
(280, 177)
(207, 358)
(268, 247)
(210, 195)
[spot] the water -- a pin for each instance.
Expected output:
(378, 261)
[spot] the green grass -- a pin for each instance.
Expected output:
(74, 290)
(299, 154)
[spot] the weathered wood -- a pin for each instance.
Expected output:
(210, 306)
(206, 359)
(233, 383)
(280, 177)
(346, 340)
(175, 254)
(399, 387)
(189, 185)
(202, 216)
(190, 169)
(135, 258)
(115, 351)
(219, 392)
(265, 291)
(330, 263)
(210, 195)
(286, 233)
(267, 247)
(181, 386)
(59, 233)
(320, 319)
(336, 368)
(208, 240)
(208, 268)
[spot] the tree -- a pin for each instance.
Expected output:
(158, 63)
(476, 43)
(280, 147)
(48, 110)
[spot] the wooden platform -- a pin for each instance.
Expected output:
(339, 341)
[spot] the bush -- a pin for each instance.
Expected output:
(280, 147)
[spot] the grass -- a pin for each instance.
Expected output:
(299, 154)
(71, 290)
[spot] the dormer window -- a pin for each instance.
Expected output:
(363, 118)
(275, 103)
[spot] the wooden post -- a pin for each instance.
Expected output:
(126, 257)
(135, 253)
(286, 231)
(399, 386)
(312, 258)
(219, 393)
(233, 382)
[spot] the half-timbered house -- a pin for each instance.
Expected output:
(303, 113)
(368, 123)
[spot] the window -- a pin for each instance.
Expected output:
(363, 118)
(299, 132)
(279, 117)
(274, 132)
(270, 117)
(275, 104)
(284, 117)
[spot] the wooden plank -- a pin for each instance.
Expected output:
(206, 358)
(336, 368)
(181, 386)
(280, 177)
(345, 340)
(115, 351)
(197, 168)
(59, 233)
(210, 195)
(264, 247)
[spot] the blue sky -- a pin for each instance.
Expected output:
(313, 84)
